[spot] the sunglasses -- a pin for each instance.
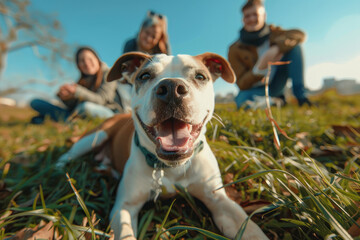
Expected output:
(152, 13)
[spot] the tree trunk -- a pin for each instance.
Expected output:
(3, 57)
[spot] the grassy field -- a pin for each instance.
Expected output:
(307, 188)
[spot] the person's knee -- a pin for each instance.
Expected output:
(241, 98)
(295, 53)
(89, 109)
(83, 108)
(34, 103)
(37, 104)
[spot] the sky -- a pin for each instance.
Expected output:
(332, 48)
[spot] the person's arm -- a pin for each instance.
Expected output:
(104, 94)
(67, 96)
(271, 55)
(286, 39)
(245, 78)
(71, 103)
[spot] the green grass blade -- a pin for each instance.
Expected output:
(83, 206)
(164, 221)
(149, 216)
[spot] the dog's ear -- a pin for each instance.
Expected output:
(218, 66)
(126, 66)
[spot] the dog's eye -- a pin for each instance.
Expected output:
(200, 77)
(145, 76)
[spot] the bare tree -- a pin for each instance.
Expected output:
(21, 28)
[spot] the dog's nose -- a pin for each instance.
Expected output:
(171, 90)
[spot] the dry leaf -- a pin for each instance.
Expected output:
(303, 142)
(251, 206)
(347, 130)
(4, 191)
(354, 230)
(6, 214)
(326, 151)
(46, 143)
(223, 138)
(41, 231)
(231, 190)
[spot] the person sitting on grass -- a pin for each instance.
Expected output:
(91, 96)
(152, 37)
(259, 44)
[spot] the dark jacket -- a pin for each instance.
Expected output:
(243, 57)
(131, 45)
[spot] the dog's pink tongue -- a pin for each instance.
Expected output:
(174, 135)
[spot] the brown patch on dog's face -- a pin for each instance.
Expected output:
(126, 66)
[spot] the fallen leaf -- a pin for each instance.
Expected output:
(4, 191)
(5, 215)
(326, 151)
(41, 231)
(46, 143)
(231, 191)
(251, 206)
(303, 142)
(346, 130)
(94, 222)
(354, 230)
(223, 138)
(257, 137)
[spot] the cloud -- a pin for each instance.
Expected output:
(315, 74)
(337, 45)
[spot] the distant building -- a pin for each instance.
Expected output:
(343, 86)
(7, 101)
(347, 87)
(228, 98)
(329, 82)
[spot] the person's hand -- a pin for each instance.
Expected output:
(271, 55)
(290, 42)
(67, 91)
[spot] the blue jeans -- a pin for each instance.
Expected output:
(93, 110)
(46, 109)
(294, 70)
(56, 113)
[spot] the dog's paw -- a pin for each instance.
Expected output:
(254, 235)
(62, 161)
(127, 238)
(127, 232)
(254, 232)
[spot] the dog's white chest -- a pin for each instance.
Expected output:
(165, 181)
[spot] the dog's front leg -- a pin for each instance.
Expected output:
(133, 192)
(227, 214)
(124, 221)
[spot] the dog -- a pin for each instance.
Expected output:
(164, 139)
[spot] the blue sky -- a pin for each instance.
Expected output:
(196, 26)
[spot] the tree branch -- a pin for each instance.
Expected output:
(23, 45)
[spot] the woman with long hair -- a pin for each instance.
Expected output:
(91, 96)
(152, 37)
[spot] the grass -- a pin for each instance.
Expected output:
(307, 189)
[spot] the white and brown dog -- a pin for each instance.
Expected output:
(172, 101)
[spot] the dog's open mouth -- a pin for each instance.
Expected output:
(174, 138)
